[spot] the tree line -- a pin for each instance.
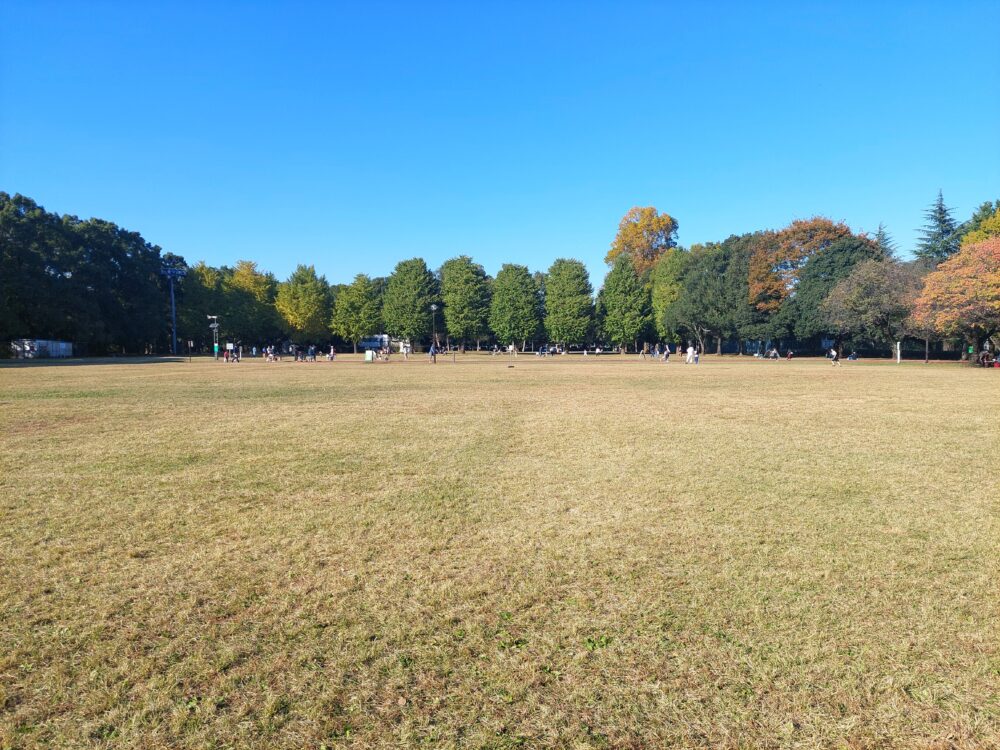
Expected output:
(104, 288)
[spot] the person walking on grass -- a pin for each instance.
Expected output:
(834, 357)
(432, 354)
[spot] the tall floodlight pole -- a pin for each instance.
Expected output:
(214, 325)
(171, 274)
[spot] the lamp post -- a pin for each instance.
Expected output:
(214, 325)
(434, 325)
(171, 274)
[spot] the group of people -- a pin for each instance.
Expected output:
(299, 354)
(692, 353)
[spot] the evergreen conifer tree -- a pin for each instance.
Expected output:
(938, 239)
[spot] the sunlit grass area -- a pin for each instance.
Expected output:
(569, 552)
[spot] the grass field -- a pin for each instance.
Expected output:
(600, 553)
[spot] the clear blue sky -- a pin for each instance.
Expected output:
(355, 135)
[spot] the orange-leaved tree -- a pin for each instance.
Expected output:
(644, 235)
(962, 296)
(775, 263)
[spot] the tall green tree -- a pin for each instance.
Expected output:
(884, 240)
(625, 302)
(465, 292)
(701, 311)
(939, 238)
(514, 309)
(32, 299)
(249, 303)
(200, 295)
(357, 310)
(667, 277)
(742, 320)
(406, 305)
(569, 304)
(304, 304)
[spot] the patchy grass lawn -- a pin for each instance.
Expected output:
(576, 554)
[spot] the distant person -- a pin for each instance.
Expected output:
(697, 354)
(690, 355)
(834, 356)
(666, 352)
(789, 354)
(432, 354)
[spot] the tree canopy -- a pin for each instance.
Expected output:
(938, 238)
(875, 300)
(357, 310)
(962, 296)
(983, 225)
(465, 292)
(820, 275)
(104, 288)
(304, 304)
(625, 302)
(569, 307)
(514, 309)
(406, 305)
(667, 285)
(644, 235)
(776, 264)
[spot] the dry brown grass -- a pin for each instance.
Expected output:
(594, 553)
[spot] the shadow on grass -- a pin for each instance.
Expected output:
(80, 361)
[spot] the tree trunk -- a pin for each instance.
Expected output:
(718, 348)
(355, 347)
(927, 350)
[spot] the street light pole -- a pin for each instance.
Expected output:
(214, 325)
(171, 274)
(434, 325)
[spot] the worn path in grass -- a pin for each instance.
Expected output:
(587, 553)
